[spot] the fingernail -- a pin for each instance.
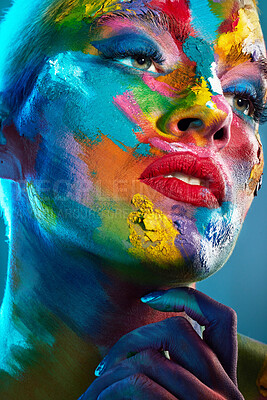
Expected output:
(101, 367)
(152, 296)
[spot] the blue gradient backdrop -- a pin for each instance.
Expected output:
(241, 284)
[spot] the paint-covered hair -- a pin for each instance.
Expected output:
(25, 38)
(30, 32)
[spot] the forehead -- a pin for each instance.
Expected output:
(204, 15)
(222, 22)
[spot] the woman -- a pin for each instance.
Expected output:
(130, 156)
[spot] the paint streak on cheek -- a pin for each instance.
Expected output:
(152, 234)
(114, 172)
(256, 172)
(128, 104)
(244, 152)
(105, 161)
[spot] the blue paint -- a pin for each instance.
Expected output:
(142, 149)
(203, 20)
(78, 106)
(243, 86)
(218, 231)
(205, 219)
(128, 45)
(200, 52)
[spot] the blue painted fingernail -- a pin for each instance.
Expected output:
(101, 367)
(152, 296)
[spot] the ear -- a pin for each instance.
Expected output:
(11, 155)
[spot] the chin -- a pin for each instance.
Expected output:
(158, 273)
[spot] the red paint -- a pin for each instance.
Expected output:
(178, 15)
(177, 9)
(189, 164)
(230, 24)
(19, 153)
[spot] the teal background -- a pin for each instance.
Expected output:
(241, 284)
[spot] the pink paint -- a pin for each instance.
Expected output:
(160, 87)
(128, 105)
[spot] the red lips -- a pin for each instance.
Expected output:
(210, 196)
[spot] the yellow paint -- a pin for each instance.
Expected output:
(93, 8)
(77, 10)
(43, 212)
(181, 78)
(247, 32)
(256, 171)
(203, 94)
(152, 233)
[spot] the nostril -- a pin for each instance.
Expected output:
(185, 123)
(219, 135)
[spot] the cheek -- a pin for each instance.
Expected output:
(244, 158)
(77, 93)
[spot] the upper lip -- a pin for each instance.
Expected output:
(191, 164)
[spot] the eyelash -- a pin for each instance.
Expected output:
(129, 46)
(259, 113)
(152, 54)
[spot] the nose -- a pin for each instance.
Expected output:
(206, 125)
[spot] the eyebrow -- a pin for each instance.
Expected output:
(160, 20)
(151, 18)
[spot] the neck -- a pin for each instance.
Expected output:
(62, 312)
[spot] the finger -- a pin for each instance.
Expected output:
(219, 320)
(135, 387)
(185, 347)
(169, 375)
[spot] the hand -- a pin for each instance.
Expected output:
(136, 368)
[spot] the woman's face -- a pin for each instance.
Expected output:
(148, 150)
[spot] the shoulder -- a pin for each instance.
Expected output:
(252, 368)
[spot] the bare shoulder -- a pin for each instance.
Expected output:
(252, 368)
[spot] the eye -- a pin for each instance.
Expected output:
(240, 103)
(141, 62)
(243, 105)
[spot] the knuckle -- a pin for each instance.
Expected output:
(227, 315)
(231, 316)
(139, 381)
(180, 323)
(147, 358)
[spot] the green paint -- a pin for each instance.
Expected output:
(217, 9)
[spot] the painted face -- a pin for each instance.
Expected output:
(146, 119)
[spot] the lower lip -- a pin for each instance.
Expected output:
(178, 190)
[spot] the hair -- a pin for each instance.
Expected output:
(30, 32)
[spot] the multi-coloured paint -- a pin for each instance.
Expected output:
(143, 157)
